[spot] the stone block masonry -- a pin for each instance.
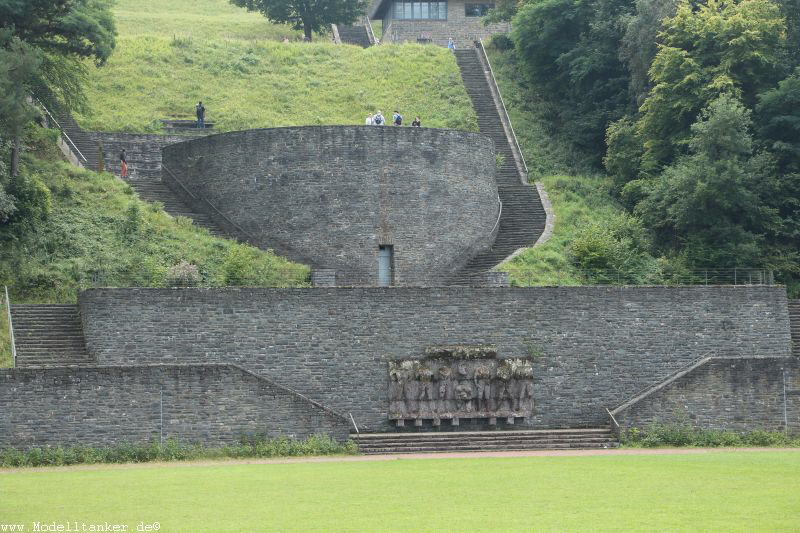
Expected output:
(212, 404)
(331, 196)
(592, 347)
(728, 394)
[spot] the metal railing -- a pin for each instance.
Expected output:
(370, 34)
(642, 276)
(335, 32)
(52, 119)
(294, 276)
(11, 330)
(244, 235)
(495, 89)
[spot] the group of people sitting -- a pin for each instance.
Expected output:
(397, 120)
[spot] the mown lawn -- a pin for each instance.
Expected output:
(170, 55)
(717, 491)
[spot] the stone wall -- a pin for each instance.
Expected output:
(462, 29)
(730, 394)
(213, 404)
(329, 196)
(143, 152)
(592, 347)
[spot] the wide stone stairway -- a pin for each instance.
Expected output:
(143, 153)
(356, 35)
(87, 146)
(475, 441)
(48, 335)
(523, 217)
(794, 324)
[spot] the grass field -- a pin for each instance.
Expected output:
(720, 491)
(170, 55)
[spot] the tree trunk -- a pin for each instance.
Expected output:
(15, 158)
(306, 32)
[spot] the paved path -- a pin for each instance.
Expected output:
(399, 457)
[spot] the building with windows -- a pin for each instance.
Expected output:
(435, 22)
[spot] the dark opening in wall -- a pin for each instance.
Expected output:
(385, 265)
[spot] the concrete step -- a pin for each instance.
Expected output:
(48, 335)
(490, 440)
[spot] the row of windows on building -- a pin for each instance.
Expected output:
(434, 10)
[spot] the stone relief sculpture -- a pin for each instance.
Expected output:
(453, 382)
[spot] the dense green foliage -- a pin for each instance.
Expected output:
(173, 450)
(708, 491)
(95, 231)
(309, 15)
(692, 106)
(664, 435)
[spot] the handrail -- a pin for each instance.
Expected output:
(370, 34)
(335, 31)
(612, 418)
(64, 133)
(248, 237)
(515, 147)
(11, 329)
(499, 214)
(353, 420)
(650, 389)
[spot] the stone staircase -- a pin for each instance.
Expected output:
(48, 335)
(82, 140)
(484, 441)
(143, 153)
(356, 35)
(794, 324)
(523, 217)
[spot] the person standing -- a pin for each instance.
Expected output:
(123, 165)
(201, 115)
(397, 118)
(370, 121)
(378, 120)
(451, 44)
(416, 123)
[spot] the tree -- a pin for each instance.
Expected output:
(778, 113)
(712, 204)
(307, 15)
(42, 46)
(639, 43)
(569, 50)
(705, 51)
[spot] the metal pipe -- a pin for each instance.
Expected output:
(353, 420)
(11, 330)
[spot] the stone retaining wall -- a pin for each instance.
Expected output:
(212, 404)
(729, 394)
(592, 347)
(330, 196)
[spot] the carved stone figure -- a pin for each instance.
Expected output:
(397, 400)
(445, 390)
(426, 400)
(483, 389)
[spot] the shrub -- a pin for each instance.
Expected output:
(681, 435)
(174, 450)
(183, 274)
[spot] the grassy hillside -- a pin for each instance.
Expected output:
(99, 233)
(580, 197)
(170, 55)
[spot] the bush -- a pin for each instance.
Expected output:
(682, 435)
(183, 274)
(174, 450)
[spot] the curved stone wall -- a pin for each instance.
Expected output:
(330, 196)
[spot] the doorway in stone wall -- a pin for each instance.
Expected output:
(385, 265)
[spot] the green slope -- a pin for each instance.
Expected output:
(170, 55)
